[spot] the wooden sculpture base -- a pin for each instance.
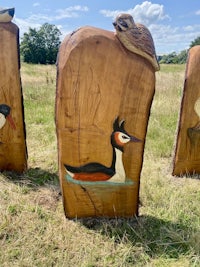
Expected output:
(99, 80)
(12, 129)
(187, 151)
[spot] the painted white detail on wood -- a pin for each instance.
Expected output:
(2, 120)
(120, 174)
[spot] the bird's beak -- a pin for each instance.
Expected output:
(135, 139)
(114, 24)
(11, 121)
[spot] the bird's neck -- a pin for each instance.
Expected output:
(119, 166)
(2, 120)
(117, 163)
(113, 160)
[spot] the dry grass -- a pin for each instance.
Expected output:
(33, 229)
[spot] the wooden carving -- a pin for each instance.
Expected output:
(136, 38)
(103, 98)
(6, 14)
(13, 154)
(187, 150)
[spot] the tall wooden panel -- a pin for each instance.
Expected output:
(103, 91)
(187, 150)
(13, 154)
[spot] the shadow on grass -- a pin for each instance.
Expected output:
(151, 236)
(195, 176)
(33, 177)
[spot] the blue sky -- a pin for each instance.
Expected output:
(174, 24)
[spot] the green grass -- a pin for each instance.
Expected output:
(33, 228)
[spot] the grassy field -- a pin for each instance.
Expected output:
(33, 228)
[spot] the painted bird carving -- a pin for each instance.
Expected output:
(6, 116)
(6, 14)
(95, 171)
(136, 38)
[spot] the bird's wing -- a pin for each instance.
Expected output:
(146, 39)
(90, 168)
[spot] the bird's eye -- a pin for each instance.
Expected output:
(122, 138)
(123, 23)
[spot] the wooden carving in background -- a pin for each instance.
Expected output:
(103, 98)
(13, 154)
(187, 150)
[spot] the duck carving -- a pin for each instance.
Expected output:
(95, 171)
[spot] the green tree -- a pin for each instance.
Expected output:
(174, 58)
(41, 46)
(169, 59)
(195, 42)
(182, 57)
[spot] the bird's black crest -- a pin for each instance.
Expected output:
(11, 12)
(5, 109)
(118, 126)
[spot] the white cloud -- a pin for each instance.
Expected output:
(65, 30)
(197, 12)
(111, 13)
(70, 12)
(194, 28)
(146, 13)
(59, 14)
(188, 28)
(36, 20)
(25, 24)
(168, 38)
(39, 18)
(36, 4)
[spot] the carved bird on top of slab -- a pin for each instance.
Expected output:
(136, 38)
(6, 14)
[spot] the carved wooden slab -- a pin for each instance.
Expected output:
(104, 94)
(12, 129)
(187, 150)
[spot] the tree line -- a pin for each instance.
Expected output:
(41, 47)
(180, 58)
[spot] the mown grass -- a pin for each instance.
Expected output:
(33, 228)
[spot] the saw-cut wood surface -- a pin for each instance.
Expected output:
(98, 80)
(187, 150)
(13, 154)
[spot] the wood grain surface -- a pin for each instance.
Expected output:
(187, 149)
(13, 154)
(97, 81)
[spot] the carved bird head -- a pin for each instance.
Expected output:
(119, 136)
(6, 14)
(124, 22)
(5, 115)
